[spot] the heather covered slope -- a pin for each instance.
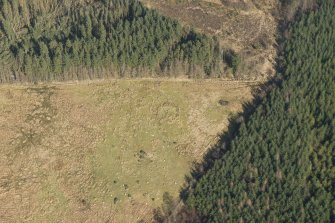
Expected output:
(247, 27)
(280, 167)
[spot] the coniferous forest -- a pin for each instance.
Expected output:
(71, 40)
(280, 166)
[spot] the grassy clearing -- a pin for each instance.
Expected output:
(105, 151)
(142, 152)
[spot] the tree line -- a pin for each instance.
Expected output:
(280, 167)
(71, 40)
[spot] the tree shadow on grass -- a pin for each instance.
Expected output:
(177, 210)
(216, 152)
(223, 145)
(260, 93)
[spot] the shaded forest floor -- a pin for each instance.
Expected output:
(106, 151)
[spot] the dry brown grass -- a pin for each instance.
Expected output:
(63, 145)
